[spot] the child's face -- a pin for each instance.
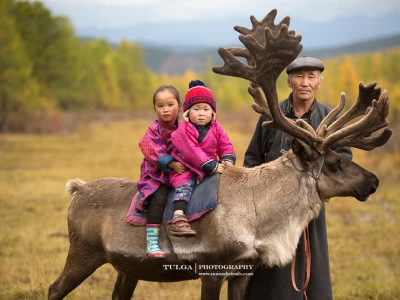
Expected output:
(201, 114)
(166, 107)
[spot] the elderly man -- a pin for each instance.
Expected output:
(304, 78)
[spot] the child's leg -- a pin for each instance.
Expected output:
(180, 207)
(154, 218)
(182, 194)
(157, 204)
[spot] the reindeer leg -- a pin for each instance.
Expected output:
(237, 287)
(81, 263)
(211, 287)
(124, 287)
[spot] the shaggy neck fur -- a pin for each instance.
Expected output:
(288, 204)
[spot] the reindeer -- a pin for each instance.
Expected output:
(265, 218)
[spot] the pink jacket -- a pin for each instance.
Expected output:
(193, 154)
(156, 147)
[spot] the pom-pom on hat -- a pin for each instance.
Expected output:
(198, 93)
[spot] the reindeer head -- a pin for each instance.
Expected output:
(269, 50)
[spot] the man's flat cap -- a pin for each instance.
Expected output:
(305, 63)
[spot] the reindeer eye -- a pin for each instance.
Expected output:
(335, 166)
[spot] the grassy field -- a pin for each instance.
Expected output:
(363, 237)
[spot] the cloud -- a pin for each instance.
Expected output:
(122, 13)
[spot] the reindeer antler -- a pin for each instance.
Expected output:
(269, 50)
(271, 46)
(358, 134)
(366, 94)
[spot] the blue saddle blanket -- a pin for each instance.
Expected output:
(204, 199)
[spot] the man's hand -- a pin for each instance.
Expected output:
(177, 167)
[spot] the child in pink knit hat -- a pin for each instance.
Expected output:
(202, 145)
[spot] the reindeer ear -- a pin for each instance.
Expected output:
(302, 150)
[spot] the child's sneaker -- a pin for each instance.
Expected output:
(181, 227)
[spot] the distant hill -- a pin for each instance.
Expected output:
(361, 47)
(177, 61)
(348, 28)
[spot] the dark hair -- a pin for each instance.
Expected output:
(169, 88)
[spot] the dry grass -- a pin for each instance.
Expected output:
(363, 237)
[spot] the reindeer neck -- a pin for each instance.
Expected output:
(288, 202)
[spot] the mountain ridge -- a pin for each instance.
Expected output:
(219, 31)
(177, 61)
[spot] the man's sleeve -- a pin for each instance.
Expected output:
(255, 152)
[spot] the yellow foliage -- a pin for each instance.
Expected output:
(348, 77)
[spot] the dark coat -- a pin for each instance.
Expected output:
(275, 283)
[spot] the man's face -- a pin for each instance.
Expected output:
(304, 84)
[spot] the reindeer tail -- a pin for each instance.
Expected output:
(74, 185)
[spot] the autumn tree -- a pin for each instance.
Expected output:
(19, 92)
(133, 76)
(52, 48)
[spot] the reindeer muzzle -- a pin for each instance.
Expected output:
(365, 191)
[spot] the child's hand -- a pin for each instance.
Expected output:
(177, 167)
(220, 168)
(227, 163)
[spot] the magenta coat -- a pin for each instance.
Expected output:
(187, 150)
(156, 146)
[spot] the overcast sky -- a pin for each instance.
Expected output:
(120, 13)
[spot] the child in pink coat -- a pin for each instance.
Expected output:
(156, 146)
(201, 144)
